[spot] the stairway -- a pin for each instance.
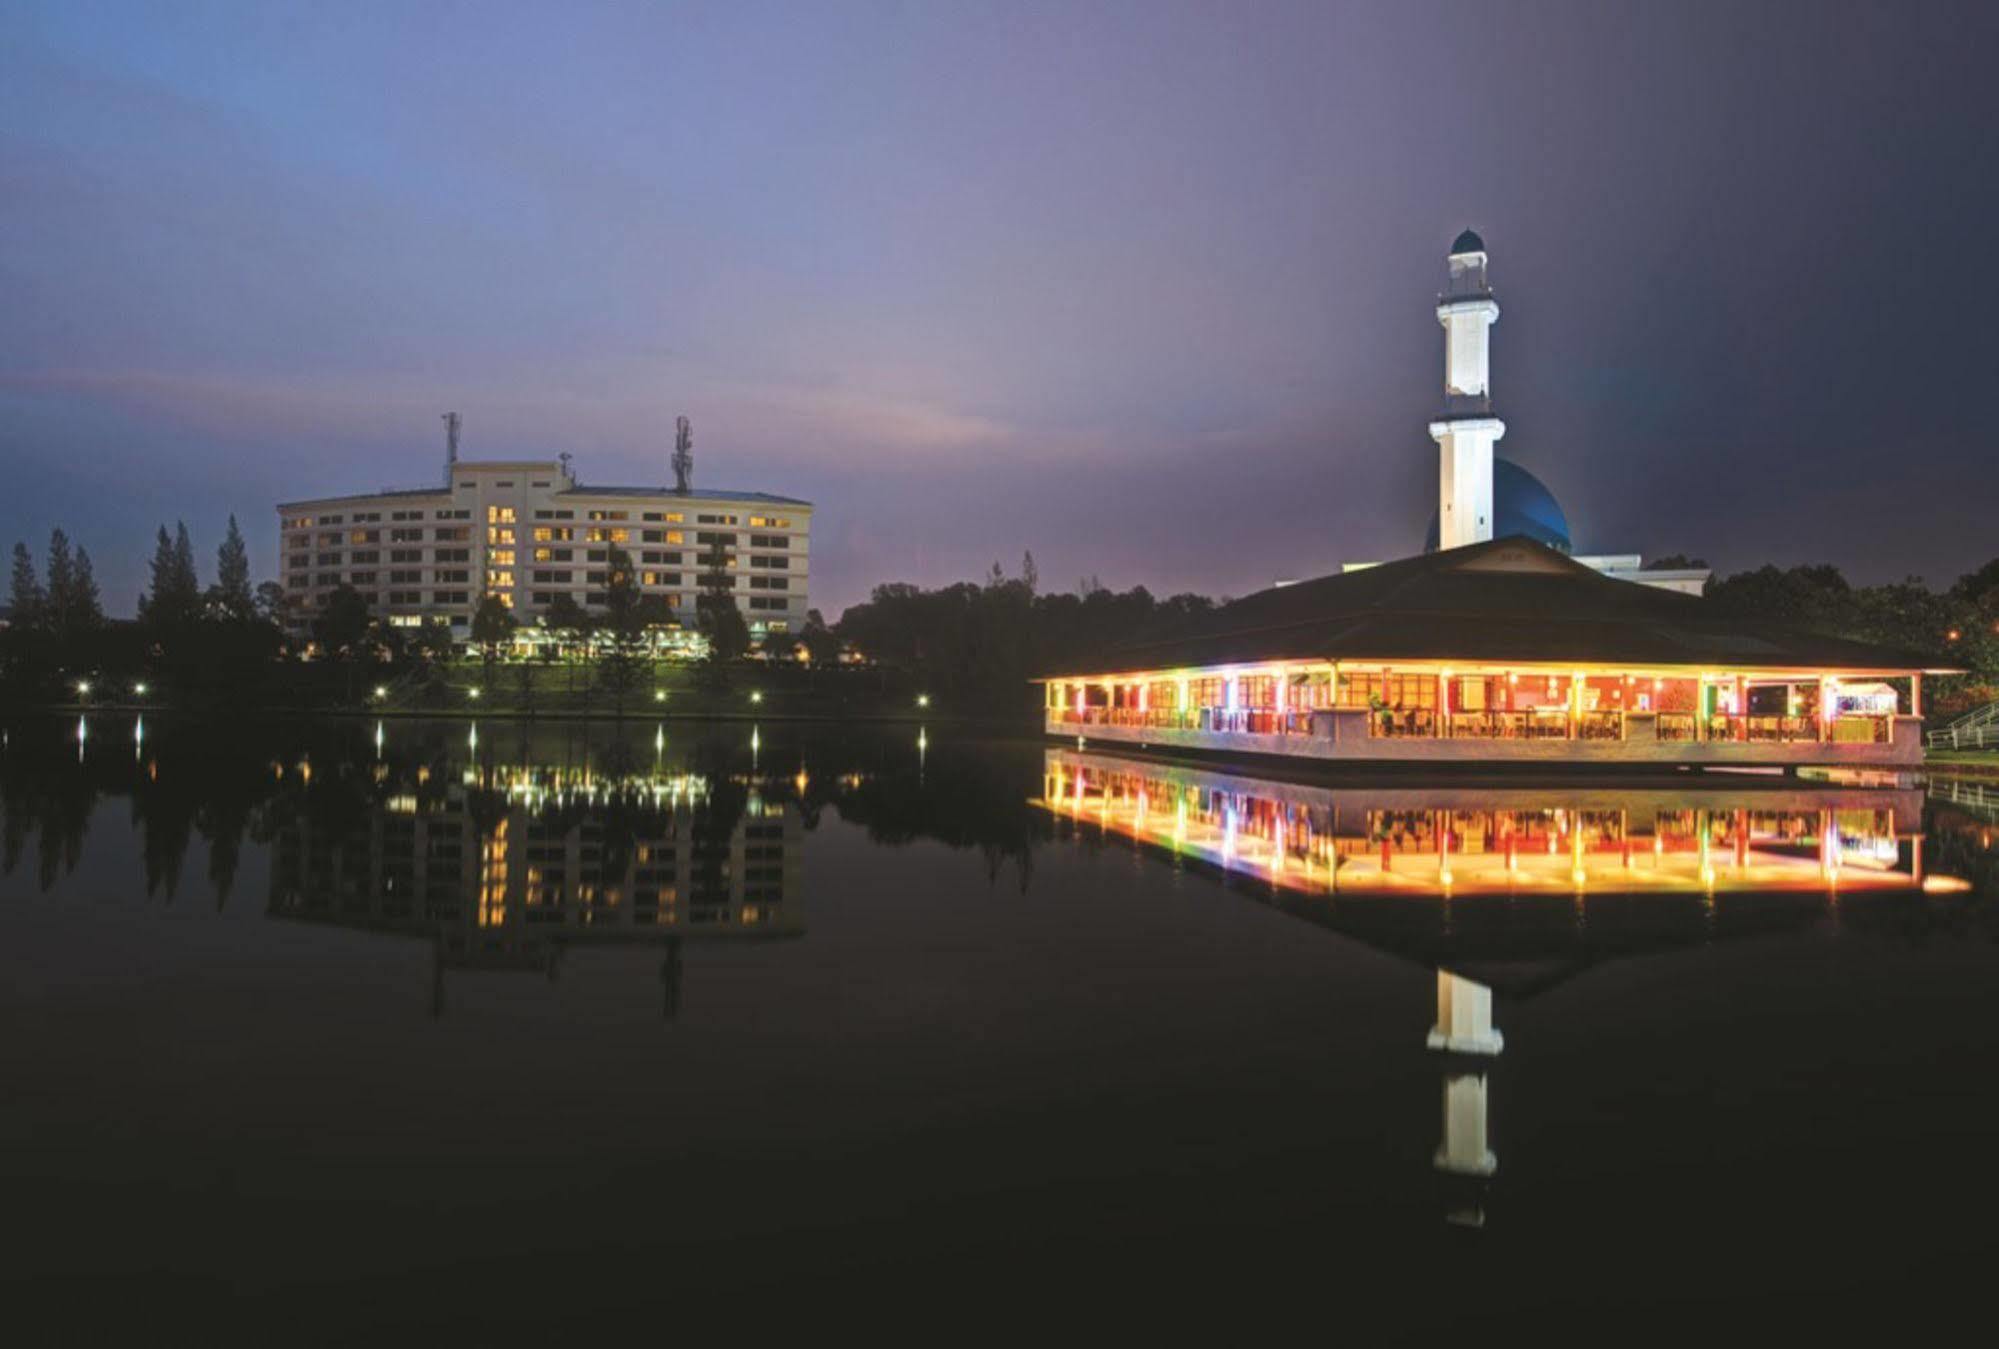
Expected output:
(1977, 729)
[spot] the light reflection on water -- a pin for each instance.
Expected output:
(720, 859)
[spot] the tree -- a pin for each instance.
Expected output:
(341, 627)
(493, 625)
(62, 581)
(1030, 575)
(175, 598)
(822, 644)
(29, 599)
(86, 605)
(273, 606)
(432, 640)
(231, 598)
(715, 610)
(629, 616)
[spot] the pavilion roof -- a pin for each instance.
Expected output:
(1509, 600)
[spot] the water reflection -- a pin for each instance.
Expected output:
(505, 847)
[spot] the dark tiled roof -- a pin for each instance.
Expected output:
(1507, 600)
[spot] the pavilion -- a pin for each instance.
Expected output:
(1505, 650)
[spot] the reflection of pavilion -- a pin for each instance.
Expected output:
(510, 875)
(1513, 888)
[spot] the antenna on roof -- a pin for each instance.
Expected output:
(683, 455)
(451, 424)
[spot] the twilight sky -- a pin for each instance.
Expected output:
(1143, 287)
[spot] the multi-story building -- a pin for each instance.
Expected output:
(528, 531)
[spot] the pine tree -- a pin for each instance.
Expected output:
(86, 605)
(29, 599)
(154, 604)
(232, 577)
(62, 581)
(187, 586)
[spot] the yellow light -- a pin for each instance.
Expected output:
(139, 690)
(381, 692)
(659, 695)
(83, 686)
(472, 693)
(923, 700)
(757, 696)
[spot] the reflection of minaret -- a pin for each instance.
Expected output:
(1464, 1017)
(1464, 1028)
(1466, 430)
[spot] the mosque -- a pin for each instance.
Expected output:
(1498, 643)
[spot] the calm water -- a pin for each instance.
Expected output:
(340, 1028)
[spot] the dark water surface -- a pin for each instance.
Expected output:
(458, 1030)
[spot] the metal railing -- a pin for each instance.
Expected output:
(1976, 729)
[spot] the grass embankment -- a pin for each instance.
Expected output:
(1964, 762)
(471, 688)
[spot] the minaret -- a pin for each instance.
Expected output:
(1466, 430)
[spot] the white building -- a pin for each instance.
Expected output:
(528, 531)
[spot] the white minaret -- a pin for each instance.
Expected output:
(1467, 429)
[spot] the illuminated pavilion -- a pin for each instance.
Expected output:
(1498, 651)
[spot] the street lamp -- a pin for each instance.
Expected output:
(923, 700)
(381, 691)
(472, 693)
(139, 690)
(83, 688)
(659, 695)
(757, 696)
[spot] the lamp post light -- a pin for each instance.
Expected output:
(923, 700)
(472, 693)
(659, 695)
(139, 690)
(381, 691)
(82, 689)
(757, 696)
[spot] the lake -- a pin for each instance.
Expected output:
(350, 1027)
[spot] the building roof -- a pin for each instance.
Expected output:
(1468, 242)
(580, 489)
(1507, 601)
(668, 494)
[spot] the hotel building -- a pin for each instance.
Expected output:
(528, 531)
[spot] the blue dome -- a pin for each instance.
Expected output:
(1522, 506)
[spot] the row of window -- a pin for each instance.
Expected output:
(366, 518)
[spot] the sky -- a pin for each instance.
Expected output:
(1146, 289)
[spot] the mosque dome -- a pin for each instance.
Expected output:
(1522, 506)
(1468, 242)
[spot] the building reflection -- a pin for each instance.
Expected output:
(509, 866)
(1509, 891)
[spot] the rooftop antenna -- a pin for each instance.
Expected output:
(451, 424)
(683, 456)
